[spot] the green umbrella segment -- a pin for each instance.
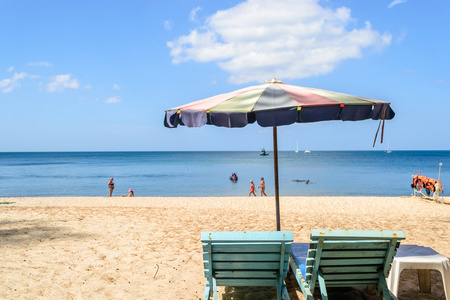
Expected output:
(276, 104)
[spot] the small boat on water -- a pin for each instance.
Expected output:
(263, 152)
(307, 151)
(234, 177)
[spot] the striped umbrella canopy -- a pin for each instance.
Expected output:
(276, 104)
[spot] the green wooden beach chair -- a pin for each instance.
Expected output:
(246, 258)
(345, 258)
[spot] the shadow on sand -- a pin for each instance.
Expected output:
(29, 232)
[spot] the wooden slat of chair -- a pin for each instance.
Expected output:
(348, 258)
(246, 259)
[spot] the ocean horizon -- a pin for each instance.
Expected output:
(206, 173)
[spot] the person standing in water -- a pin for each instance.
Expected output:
(111, 186)
(262, 186)
(252, 188)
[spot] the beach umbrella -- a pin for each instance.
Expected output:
(276, 104)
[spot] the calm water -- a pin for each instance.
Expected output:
(341, 173)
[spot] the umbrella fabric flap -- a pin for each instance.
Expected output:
(272, 118)
(389, 114)
(231, 120)
(171, 119)
(191, 118)
(356, 112)
(310, 114)
(378, 109)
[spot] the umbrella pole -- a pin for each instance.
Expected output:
(275, 168)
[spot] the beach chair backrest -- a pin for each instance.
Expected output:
(343, 258)
(258, 258)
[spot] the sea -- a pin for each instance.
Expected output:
(205, 174)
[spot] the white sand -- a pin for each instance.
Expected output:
(149, 247)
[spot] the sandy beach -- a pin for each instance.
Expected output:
(149, 247)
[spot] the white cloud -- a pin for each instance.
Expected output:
(61, 82)
(116, 86)
(395, 2)
(401, 37)
(87, 87)
(168, 25)
(10, 69)
(112, 100)
(7, 85)
(40, 64)
(193, 14)
(256, 40)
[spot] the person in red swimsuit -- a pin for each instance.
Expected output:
(252, 188)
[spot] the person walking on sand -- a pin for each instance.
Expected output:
(252, 188)
(111, 186)
(262, 186)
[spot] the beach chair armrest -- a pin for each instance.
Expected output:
(285, 293)
(322, 286)
(300, 279)
(383, 288)
(207, 294)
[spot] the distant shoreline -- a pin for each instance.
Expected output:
(256, 151)
(148, 201)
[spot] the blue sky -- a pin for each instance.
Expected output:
(98, 75)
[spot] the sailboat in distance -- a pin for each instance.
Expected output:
(306, 151)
